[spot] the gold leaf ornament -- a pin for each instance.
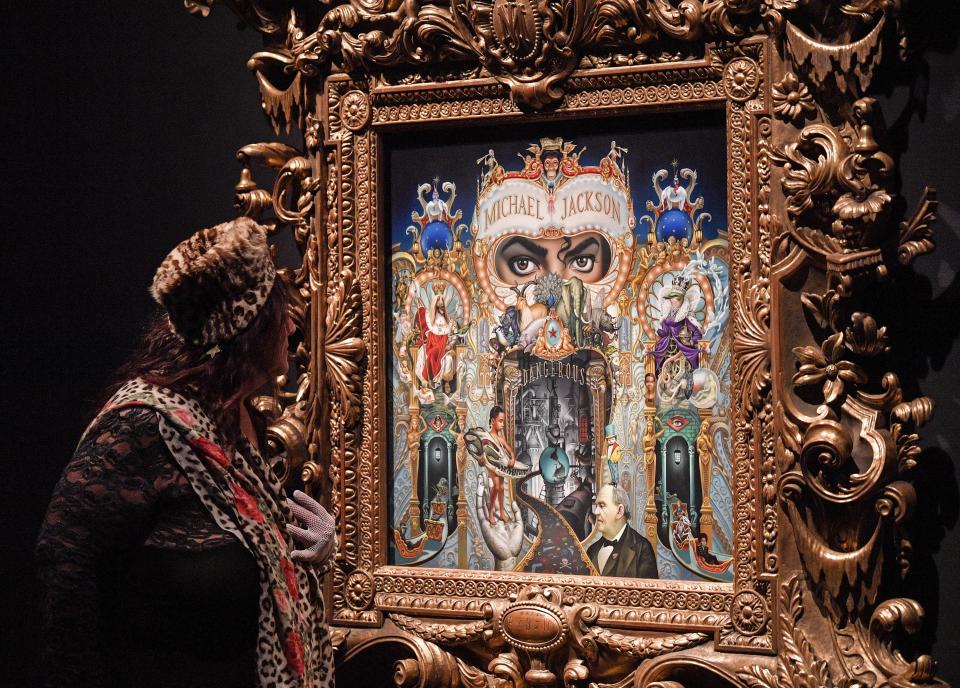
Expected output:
(343, 350)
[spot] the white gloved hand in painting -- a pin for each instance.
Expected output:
(503, 539)
(318, 537)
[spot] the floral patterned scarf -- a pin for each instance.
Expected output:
(293, 645)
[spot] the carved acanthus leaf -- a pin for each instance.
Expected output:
(916, 234)
(865, 337)
(251, 13)
(823, 308)
(899, 614)
(506, 667)
(344, 351)
(472, 677)
(752, 343)
(811, 167)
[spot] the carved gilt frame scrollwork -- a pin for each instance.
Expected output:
(824, 439)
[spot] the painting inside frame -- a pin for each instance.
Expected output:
(559, 368)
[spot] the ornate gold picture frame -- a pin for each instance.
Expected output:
(823, 440)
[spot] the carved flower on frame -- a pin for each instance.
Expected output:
(741, 78)
(825, 365)
(359, 590)
(749, 612)
(852, 206)
(355, 110)
(792, 99)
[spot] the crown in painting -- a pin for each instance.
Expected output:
(551, 145)
(679, 286)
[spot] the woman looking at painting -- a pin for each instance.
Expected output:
(167, 555)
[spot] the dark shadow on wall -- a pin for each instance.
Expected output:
(125, 120)
(920, 98)
(923, 332)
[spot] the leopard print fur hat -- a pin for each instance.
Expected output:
(213, 284)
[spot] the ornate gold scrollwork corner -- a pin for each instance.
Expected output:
(868, 655)
(848, 438)
(836, 177)
(292, 424)
(529, 47)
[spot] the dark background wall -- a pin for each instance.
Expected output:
(123, 121)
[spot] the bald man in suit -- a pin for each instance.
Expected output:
(621, 551)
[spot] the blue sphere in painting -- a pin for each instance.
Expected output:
(674, 223)
(436, 235)
(554, 465)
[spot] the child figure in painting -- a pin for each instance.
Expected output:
(614, 454)
(497, 417)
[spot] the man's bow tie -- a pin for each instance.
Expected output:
(604, 542)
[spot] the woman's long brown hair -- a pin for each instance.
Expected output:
(218, 382)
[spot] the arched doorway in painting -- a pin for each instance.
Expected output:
(678, 493)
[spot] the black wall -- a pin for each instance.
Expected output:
(123, 121)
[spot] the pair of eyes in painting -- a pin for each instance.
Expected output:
(586, 256)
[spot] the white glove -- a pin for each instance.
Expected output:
(319, 535)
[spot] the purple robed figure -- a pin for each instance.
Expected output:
(676, 320)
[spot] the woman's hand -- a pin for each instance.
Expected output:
(319, 535)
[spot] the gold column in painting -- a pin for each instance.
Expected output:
(413, 456)
(597, 380)
(461, 481)
(649, 443)
(704, 444)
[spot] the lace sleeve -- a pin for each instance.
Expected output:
(101, 507)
